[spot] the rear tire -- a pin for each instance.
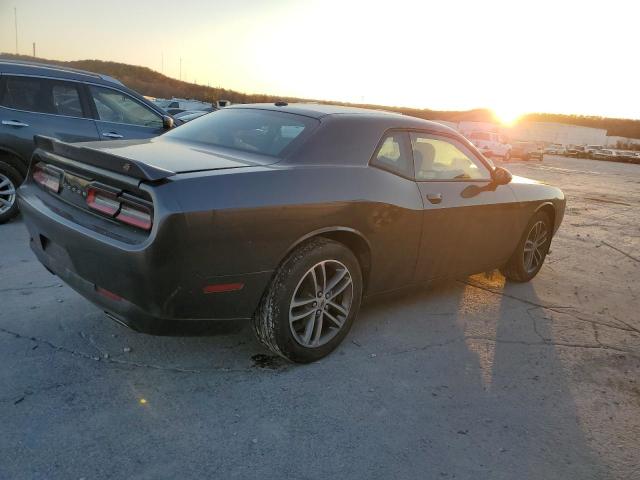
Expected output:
(10, 180)
(529, 256)
(311, 303)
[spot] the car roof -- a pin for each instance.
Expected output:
(322, 111)
(53, 71)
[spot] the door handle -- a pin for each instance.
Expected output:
(434, 197)
(112, 135)
(14, 123)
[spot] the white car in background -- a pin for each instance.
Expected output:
(189, 115)
(555, 149)
(591, 150)
(491, 144)
(174, 106)
(605, 154)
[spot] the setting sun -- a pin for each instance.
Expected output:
(507, 116)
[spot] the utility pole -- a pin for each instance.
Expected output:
(15, 22)
(34, 49)
(162, 63)
(180, 68)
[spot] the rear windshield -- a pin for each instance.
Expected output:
(251, 130)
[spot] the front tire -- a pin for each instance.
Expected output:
(10, 180)
(311, 303)
(529, 256)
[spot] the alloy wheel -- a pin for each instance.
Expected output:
(7, 193)
(534, 246)
(321, 303)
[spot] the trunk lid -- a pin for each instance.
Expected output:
(152, 159)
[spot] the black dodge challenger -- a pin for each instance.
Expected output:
(286, 215)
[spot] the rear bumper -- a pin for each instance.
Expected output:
(144, 286)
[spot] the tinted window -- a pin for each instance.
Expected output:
(442, 159)
(393, 155)
(117, 107)
(260, 131)
(42, 96)
(66, 100)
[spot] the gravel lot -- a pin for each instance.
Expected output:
(468, 379)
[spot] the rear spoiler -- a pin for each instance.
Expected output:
(98, 158)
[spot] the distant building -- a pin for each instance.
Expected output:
(560, 133)
(545, 132)
(621, 142)
(467, 127)
(539, 132)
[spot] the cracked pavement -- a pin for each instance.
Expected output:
(466, 379)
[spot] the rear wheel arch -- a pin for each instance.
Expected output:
(350, 238)
(358, 245)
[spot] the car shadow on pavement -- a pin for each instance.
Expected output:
(524, 374)
(486, 395)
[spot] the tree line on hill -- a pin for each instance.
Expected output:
(151, 83)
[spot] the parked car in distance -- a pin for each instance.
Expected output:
(590, 150)
(285, 215)
(189, 115)
(491, 144)
(175, 106)
(626, 156)
(526, 151)
(69, 104)
(555, 149)
(604, 154)
(576, 151)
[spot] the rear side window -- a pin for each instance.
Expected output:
(394, 155)
(42, 96)
(264, 132)
(66, 100)
(117, 107)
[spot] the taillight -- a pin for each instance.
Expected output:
(102, 201)
(125, 208)
(47, 176)
(135, 215)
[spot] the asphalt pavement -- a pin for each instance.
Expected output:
(469, 379)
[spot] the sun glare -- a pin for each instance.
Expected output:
(506, 116)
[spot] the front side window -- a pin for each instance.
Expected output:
(117, 107)
(264, 132)
(442, 159)
(41, 95)
(393, 155)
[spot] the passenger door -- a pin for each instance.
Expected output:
(120, 116)
(469, 224)
(37, 106)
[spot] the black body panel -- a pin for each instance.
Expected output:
(234, 219)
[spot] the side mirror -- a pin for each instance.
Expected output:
(501, 176)
(167, 122)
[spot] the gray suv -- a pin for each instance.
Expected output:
(68, 104)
